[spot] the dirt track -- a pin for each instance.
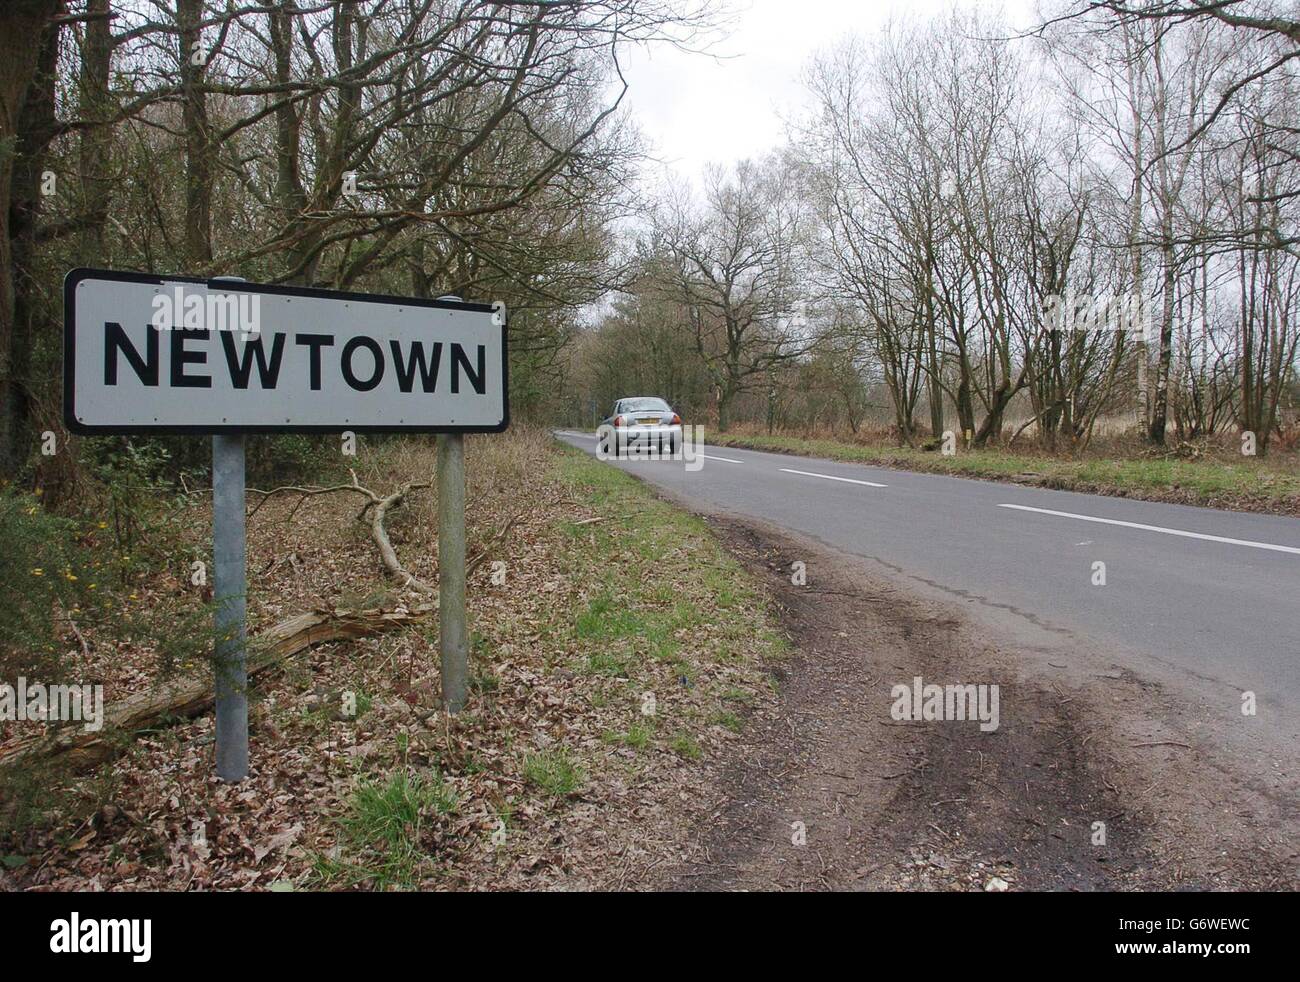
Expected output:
(941, 805)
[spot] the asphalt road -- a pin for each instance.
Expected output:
(1212, 595)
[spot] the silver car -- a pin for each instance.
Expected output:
(641, 423)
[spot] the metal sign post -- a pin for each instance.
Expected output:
(453, 642)
(224, 357)
(230, 590)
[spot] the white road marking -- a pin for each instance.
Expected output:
(709, 456)
(1158, 528)
(832, 477)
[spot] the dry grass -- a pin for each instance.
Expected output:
(554, 776)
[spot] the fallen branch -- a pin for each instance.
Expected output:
(381, 506)
(305, 493)
(190, 696)
(76, 631)
(477, 561)
(386, 551)
(1034, 419)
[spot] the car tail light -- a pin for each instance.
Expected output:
(677, 420)
(618, 422)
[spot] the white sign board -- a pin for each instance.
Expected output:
(155, 354)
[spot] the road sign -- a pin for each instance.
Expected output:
(175, 354)
(172, 354)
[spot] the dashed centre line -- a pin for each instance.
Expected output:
(1163, 530)
(832, 477)
(1159, 528)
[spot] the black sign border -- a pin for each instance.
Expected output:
(81, 274)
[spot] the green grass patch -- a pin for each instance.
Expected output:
(638, 736)
(685, 745)
(664, 603)
(729, 720)
(607, 663)
(665, 582)
(554, 772)
(382, 830)
(607, 619)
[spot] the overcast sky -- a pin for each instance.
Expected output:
(697, 109)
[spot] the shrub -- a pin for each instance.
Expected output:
(42, 573)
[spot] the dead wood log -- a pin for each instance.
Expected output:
(378, 534)
(187, 697)
(190, 696)
(386, 551)
(478, 560)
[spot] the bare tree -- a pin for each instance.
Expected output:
(386, 144)
(733, 262)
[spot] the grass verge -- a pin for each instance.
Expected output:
(642, 644)
(1270, 485)
(616, 650)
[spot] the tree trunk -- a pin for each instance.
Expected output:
(1160, 404)
(934, 373)
(198, 141)
(27, 56)
(725, 395)
(96, 140)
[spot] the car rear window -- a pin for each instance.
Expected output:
(644, 406)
